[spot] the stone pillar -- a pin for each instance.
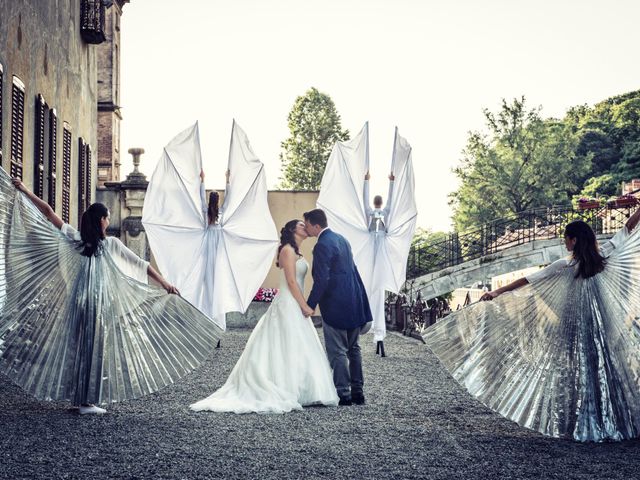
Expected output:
(133, 191)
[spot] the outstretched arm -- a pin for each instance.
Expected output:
(227, 191)
(203, 195)
(40, 204)
(365, 196)
(132, 265)
(521, 282)
(633, 220)
(153, 273)
(287, 260)
(387, 205)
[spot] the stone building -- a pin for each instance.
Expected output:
(60, 116)
(49, 96)
(631, 187)
(109, 115)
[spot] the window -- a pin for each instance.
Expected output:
(92, 21)
(53, 150)
(84, 174)
(17, 127)
(66, 172)
(38, 150)
(87, 177)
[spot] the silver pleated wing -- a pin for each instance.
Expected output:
(76, 328)
(560, 356)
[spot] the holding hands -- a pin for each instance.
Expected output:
(307, 311)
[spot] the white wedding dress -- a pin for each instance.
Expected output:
(283, 366)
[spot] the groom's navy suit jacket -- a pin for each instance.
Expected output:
(337, 285)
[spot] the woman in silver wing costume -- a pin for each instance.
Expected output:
(78, 321)
(558, 351)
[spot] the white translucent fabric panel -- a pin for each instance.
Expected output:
(77, 328)
(560, 356)
(401, 223)
(249, 234)
(380, 257)
(220, 267)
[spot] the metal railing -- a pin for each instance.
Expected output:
(412, 316)
(536, 224)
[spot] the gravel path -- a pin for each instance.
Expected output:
(417, 424)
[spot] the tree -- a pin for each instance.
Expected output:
(427, 248)
(606, 184)
(522, 162)
(609, 132)
(315, 127)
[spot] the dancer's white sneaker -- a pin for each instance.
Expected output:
(91, 410)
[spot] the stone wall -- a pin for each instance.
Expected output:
(285, 206)
(40, 43)
(533, 254)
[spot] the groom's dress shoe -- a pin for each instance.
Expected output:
(345, 402)
(358, 400)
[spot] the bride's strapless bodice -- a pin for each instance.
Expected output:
(301, 271)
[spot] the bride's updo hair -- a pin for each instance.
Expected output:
(287, 237)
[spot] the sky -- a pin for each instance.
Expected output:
(428, 67)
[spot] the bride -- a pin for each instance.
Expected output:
(283, 366)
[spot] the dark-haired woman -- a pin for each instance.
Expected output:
(283, 367)
(558, 351)
(78, 321)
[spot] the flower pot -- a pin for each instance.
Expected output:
(588, 205)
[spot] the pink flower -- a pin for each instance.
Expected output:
(265, 295)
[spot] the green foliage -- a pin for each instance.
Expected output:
(429, 252)
(425, 234)
(315, 127)
(604, 185)
(610, 133)
(523, 162)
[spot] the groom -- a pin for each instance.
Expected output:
(339, 290)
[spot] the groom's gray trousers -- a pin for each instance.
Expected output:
(343, 351)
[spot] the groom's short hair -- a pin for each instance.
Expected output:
(316, 217)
